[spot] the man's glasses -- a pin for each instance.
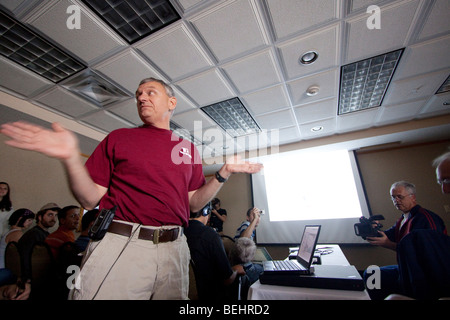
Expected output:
(445, 181)
(400, 197)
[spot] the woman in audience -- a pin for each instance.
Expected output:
(5, 207)
(19, 221)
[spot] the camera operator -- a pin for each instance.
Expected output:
(414, 217)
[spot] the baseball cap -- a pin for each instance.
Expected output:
(50, 205)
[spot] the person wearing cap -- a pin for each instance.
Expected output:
(45, 219)
(153, 178)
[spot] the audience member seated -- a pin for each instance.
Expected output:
(213, 273)
(248, 227)
(20, 220)
(6, 208)
(86, 223)
(218, 216)
(414, 217)
(68, 218)
(242, 253)
(45, 219)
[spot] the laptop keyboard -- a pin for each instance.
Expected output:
(287, 265)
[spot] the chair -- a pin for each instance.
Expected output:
(228, 243)
(193, 294)
(42, 271)
(12, 258)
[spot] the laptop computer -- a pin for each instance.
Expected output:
(338, 277)
(302, 263)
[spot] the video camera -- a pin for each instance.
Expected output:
(368, 227)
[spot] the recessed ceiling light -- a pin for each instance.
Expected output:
(308, 57)
(317, 129)
(233, 117)
(364, 83)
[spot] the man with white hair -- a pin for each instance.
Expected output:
(442, 164)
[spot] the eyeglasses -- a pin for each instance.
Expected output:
(400, 197)
(445, 181)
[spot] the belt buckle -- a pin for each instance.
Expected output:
(156, 236)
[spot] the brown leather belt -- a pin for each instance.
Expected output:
(155, 235)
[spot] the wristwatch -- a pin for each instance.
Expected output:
(219, 177)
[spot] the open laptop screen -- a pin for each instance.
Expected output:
(308, 244)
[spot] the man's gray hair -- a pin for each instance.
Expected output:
(243, 251)
(168, 88)
(440, 159)
(411, 188)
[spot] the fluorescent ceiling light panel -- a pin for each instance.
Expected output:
(233, 117)
(445, 86)
(21, 45)
(364, 83)
(134, 19)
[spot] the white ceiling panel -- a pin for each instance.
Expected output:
(224, 49)
(327, 83)
(206, 88)
(267, 100)
(163, 51)
(291, 16)
(231, 29)
(253, 72)
(20, 80)
(325, 43)
(395, 25)
(127, 69)
(96, 39)
(65, 102)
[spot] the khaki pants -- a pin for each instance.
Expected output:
(118, 267)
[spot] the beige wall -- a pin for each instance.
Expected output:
(36, 180)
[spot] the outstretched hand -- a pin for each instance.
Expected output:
(236, 165)
(57, 143)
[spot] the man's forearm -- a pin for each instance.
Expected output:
(84, 189)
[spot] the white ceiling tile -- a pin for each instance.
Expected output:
(164, 51)
(275, 120)
(253, 72)
(325, 43)
(267, 100)
(105, 121)
(127, 110)
(64, 101)
(20, 80)
(127, 69)
(438, 104)
(319, 110)
(326, 81)
(291, 16)
(287, 135)
(433, 25)
(400, 112)
(424, 57)
(329, 127)
(357, 120)
(414, 88)
(95, 38)
(230, 29)
(193, 120)
(206, 88)
(364, 42)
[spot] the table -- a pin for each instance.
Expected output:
(335, 256)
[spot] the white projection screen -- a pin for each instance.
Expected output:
(309, 187)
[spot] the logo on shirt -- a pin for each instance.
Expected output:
(185, 152)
